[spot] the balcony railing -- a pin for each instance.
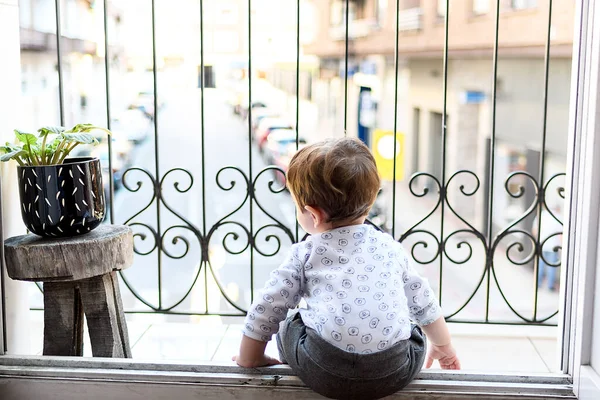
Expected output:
(246, 228)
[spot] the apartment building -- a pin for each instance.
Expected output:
(469, 101)
(82, 52)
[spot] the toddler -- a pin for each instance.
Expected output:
(361, 334)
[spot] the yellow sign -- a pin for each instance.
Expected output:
(383, 150)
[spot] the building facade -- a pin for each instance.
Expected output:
(469, 102)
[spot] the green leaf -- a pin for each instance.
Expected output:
(83, 128)
(51, 147)
(81, 138)
(12, 147)
(7, 156)
(54, 144)
(86, 128)
(47, 130)
(36, 149)
(26, 138)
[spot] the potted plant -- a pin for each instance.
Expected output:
(59, 196)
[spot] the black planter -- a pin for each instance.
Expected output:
(62, 200)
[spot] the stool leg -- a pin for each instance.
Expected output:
(63, 319)
(121, 315)
(102, 315)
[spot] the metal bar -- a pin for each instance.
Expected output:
(2, 287)
(490, 226)
(156, 159)
(202, 115)
(111, 184)
(396, 62)
(202, 77)
(250, 179)
(191, 313)
(61, 100)
(346, 71)
(542, 192)
(297, 91)
(444, 129)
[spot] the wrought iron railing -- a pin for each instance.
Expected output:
(240, 234)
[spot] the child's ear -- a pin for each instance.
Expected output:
(318, 215)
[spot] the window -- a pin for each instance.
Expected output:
(337, 12)
(441, 8)
(359, 10)
(481, 7)
(381, 11)
(523, 4)
(408, 4)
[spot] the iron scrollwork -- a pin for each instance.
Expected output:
(175, 241)
(517, 245)
(458, 246)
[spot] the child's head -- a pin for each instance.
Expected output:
(336, 177)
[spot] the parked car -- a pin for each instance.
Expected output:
(278, 143)
(144, 102)
(378, 215)
(119, 165)
(265, 126)
(133, 125)
(259, 114)
(282, 147)
(256, 105)
(122, 150)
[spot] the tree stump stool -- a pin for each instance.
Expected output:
(79, 278)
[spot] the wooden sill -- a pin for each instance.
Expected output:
(69, 377)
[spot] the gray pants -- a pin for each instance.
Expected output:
(335, 373)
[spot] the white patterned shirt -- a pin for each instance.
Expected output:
(360, 289)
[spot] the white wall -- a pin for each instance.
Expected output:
(17, 303)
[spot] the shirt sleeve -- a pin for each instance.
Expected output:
(423, 306)
(282, 291)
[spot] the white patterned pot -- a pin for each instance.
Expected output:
(64, 199)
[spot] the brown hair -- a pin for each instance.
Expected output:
(339, 176)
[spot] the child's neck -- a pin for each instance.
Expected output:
(327, 226)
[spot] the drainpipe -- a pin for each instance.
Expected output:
(15, 293)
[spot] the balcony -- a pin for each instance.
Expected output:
(34, 40)
(411, 19)
(356, 29)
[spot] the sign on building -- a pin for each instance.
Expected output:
(383, 150)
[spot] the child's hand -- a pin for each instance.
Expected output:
(261, 361)
(252, 354)
(446, 355)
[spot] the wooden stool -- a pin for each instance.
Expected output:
(79, 277)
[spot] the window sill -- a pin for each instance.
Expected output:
(28, 377)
